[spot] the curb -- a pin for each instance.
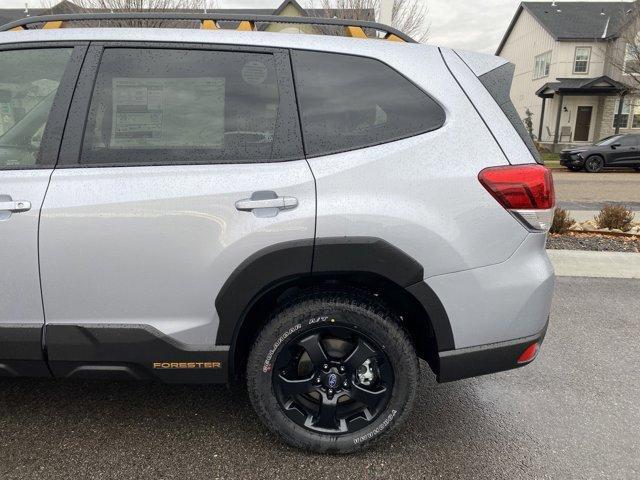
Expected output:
(580, 263)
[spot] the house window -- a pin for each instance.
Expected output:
(631, 60)
(621, 120)
(581, 60)
(541, 66)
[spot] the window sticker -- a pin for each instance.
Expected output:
(168, 112)
(254, 72)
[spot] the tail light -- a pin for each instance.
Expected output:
(529, 354)
(524, 190)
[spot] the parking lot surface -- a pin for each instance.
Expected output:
(573, 413)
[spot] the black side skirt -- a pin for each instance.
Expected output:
(136, 352)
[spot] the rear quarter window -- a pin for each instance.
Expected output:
(348, 102)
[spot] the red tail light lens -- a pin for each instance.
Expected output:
(530, 353)
(520, 187)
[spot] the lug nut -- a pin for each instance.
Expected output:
(330, 391)
(325, 366)
(341, 368)
(318, 379)
(345, 384)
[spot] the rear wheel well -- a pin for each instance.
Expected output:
(410, 312)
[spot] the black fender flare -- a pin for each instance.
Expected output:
(282, 262)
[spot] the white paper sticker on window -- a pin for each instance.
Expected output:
(168, 112)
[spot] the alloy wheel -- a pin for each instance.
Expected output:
(333, 380)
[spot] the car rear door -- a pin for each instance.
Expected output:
(36, 84)
(189, 163)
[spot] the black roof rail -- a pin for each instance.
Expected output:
(353, 28)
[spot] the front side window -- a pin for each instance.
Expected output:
(165, 106)
(581, 62)
(348, 102)
(29, 80)
(542, 65)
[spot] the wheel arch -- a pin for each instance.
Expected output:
(281, 272)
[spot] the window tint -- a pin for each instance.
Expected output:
(29, 80)
(349, 102)
(154, 106)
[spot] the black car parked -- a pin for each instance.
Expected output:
(613, 151)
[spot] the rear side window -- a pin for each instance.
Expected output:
(348, 102)
(29, 81)
(156, 106)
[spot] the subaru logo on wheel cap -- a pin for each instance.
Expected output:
(332, 381)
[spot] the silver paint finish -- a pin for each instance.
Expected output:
(20, 301)
(499, 302)
(422, 194)
(504, 132)
(154, 245)
(481, 63)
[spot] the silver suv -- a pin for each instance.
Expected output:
(311, 214)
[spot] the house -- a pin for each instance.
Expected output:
(288, 8)
(570, 70)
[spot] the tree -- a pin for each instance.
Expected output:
(409, 16)
(127, 6)
(528, 121)
(623, 52)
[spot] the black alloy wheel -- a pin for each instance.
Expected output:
(333, 380)
(333, 371)
(594, 164)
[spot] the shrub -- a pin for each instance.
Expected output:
(615, 216)
(561, 221)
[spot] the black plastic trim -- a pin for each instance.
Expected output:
(23, 22)
(437, 314)
(258, 273)
(366, 254)
(21, 351)
(475, 361)
(130, 351)
(291, 261)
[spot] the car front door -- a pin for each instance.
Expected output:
(189, 164)
(36, 82)
(624, 151)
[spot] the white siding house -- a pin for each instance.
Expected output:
(562, 72)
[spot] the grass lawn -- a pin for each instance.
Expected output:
(551, 160)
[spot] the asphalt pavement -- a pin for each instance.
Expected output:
(573, 413)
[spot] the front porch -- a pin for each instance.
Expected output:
(573, 110)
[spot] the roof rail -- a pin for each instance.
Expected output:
(209, 21)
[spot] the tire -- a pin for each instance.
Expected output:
(594, 164)
(328, 339)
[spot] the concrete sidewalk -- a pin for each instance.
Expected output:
(580, 263)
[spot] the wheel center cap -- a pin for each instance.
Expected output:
(332, 380)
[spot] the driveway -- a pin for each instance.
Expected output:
(573, 413)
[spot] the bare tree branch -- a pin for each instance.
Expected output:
(125, 6)
(409, 16)
(623, 53)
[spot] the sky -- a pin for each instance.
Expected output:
(467, 24)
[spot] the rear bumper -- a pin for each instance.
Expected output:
(484, 359)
